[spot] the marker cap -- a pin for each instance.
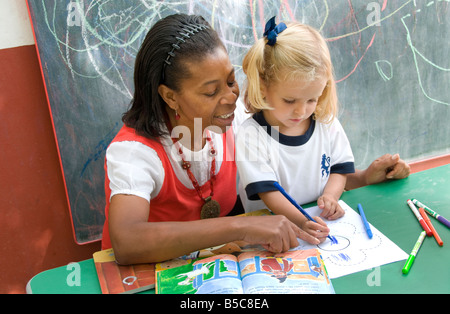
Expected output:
(408, 264)
(425, 227)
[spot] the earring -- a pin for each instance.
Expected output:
(177, 116)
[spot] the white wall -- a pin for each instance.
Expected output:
(15, 27)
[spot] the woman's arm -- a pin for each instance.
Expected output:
(137, 241)
(381, 169)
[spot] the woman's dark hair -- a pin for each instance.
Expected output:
(161, 60)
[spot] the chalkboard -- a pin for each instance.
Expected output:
(391, 61)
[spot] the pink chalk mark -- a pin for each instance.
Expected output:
(359, 61)
(261, 12)
(255, 35)
(288, 9)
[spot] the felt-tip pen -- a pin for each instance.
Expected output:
(432, 213)
(428, 222)
(365, 222)
(419, 218)
(293, 202)
(413, 254)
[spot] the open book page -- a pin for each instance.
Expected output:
(212, 275)
(256, 272)
(290, 272)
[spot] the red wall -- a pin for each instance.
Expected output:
(35, 228)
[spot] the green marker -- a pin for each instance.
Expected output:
(432, 213)
(413, 254)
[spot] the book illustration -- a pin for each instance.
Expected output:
(280, 268)
(192, 275)
(249, 272)
(200, 275)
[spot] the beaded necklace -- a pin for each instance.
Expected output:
(211, 208)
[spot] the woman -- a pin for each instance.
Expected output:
(157, 186)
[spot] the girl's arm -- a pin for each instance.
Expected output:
(328, 202)
(135, 240)
(279, 205)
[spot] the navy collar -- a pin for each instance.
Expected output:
(285, 139)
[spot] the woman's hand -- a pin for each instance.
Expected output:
(275, 233)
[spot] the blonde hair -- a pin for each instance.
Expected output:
(302, 53)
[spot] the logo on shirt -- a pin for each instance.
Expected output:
(325, 165)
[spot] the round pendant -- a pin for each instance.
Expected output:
(211, 209)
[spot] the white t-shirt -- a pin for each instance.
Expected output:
(300, 164)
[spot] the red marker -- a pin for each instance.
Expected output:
(428, 222)
(421, 220)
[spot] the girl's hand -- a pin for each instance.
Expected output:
(331, 209)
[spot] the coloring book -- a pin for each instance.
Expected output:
(354, 251)
(116, 279)
(249, 272)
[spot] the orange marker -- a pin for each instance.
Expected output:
(428, 222)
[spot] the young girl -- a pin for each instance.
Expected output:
(293, 137)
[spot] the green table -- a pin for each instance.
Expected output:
(385, 207)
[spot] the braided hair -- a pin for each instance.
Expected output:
(161, 60)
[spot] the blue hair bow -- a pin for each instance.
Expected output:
(272, 30)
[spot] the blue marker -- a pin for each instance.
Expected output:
(290, 199)
(366, 223)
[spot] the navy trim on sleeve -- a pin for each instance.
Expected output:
(343, 168)
(259, 187)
